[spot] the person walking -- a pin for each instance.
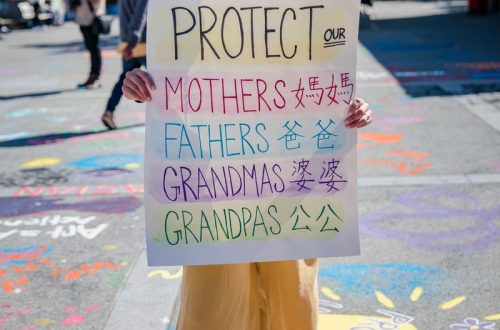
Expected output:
(36, 8)
(85, 13)
(133, 48)
(278, 295)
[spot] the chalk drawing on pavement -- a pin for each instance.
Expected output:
(21, 206)
(108, 172)
(34, 177)
(40, 162)
(54, 226)
(387, 318)
(19, 256)
(106, 161)
(80, 190)
(330, 316)
(471, 323)
(407, 162)
(396, 278)
(14, 315)
(19, 267)
(437, 206)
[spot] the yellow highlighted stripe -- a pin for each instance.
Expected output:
(452, 303)
(417, 292)
(330, 294)
(494, 317)
(384, 300)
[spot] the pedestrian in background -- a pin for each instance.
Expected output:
(133, 48)
(36, 8)
(85, 13)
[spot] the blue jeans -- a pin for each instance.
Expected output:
(128, 65)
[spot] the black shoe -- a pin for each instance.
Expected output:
(107, 120)
(91, 83)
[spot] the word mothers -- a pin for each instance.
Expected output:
(253, 222)
(233, 22)
(315, 92)
(56, 226)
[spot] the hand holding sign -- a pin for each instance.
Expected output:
(138, 85)
(359, 115)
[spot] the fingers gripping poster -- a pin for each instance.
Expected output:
(247, 155)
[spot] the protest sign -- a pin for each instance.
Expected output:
(247, 157)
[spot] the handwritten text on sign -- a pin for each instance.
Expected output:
(247, 157)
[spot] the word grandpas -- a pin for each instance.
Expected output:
(252, 222)
(205, 21)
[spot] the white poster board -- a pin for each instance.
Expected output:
(247, 157)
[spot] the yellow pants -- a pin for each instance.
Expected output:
(254, 296)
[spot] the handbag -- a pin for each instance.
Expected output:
(100, 24)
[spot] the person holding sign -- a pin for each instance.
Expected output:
(278, 295)
(250, 162)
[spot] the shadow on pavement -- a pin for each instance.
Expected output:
(110, 42)
(38, 94)
(452, 54)
(32, 141)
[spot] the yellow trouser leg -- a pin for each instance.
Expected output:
(258, 296)
(291, 290)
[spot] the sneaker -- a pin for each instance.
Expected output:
(91, 83)
(107, 120)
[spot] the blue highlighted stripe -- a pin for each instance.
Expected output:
(391, 278)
